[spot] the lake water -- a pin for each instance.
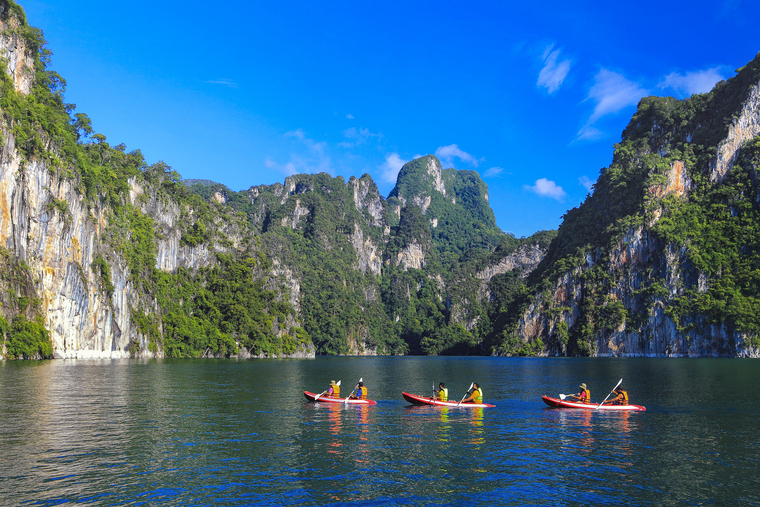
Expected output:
(227, 432)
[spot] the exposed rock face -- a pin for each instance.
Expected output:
(413, 256)
(526, 258)
(367, 197)
(746, 125)
(19, 60)
(59, 247)
(366, 252)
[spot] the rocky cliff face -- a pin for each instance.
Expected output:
(632, 291)
(59, 246)
(56, 235)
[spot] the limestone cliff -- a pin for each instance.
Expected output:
(67, 237)
(657, 271)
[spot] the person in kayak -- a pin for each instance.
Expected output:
(361, 392)
(476, 396)
(442, 394)
(584, 396)
(333, 391)
(620, 399)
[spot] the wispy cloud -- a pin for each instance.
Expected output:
(350, 116)
(553, 72)
(492, 172)
(612, 92)
(358, 136)
(225, 82)
(289, 169)
(446, 155)
(589, 133)
(701, 81)
(313, 145)
(586, 182)
(547, 188)
(310, 160)
(390, 168)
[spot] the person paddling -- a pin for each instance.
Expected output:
(584, 396)
(442, 394)
(476, 396)
(621, 397)
(333, 391)
(361, 392)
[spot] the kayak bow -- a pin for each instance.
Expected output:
(422, 400)
(555, 403)
(312, 397)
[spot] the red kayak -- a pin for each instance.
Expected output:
(555, 403)
(422, 400)
(324, 398)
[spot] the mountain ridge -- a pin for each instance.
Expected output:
(107, 256)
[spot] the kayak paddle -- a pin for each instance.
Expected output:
(465, 394)
(352, 391)
(563, 396)
(613, 390)
(323, 392)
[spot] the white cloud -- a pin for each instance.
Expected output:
(308, 142)
(553, 73)
(692, 82)
(589, 133)
(303, 161)
(586, 182)
(359, 136)
(612, 92)
(494, 171)
(289, 169)
(350, 116)
(223, 81)
(547, 188)
(390, 168)
(446, 153)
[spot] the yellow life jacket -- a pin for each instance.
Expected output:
(443, 394)
(336, 391)
(364, 393)
(477, 395)
(588, 396)
(624, 401)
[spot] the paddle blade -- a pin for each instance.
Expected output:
(338, 383)
(562, 396)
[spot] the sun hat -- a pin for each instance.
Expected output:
(583, 386)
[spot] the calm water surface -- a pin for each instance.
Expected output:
(226, 432)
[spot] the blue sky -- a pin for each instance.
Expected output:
(532, 95)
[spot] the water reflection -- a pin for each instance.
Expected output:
(336, 426)
(477, 433)
(204, 432)
(362, 451)
(444, 430)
